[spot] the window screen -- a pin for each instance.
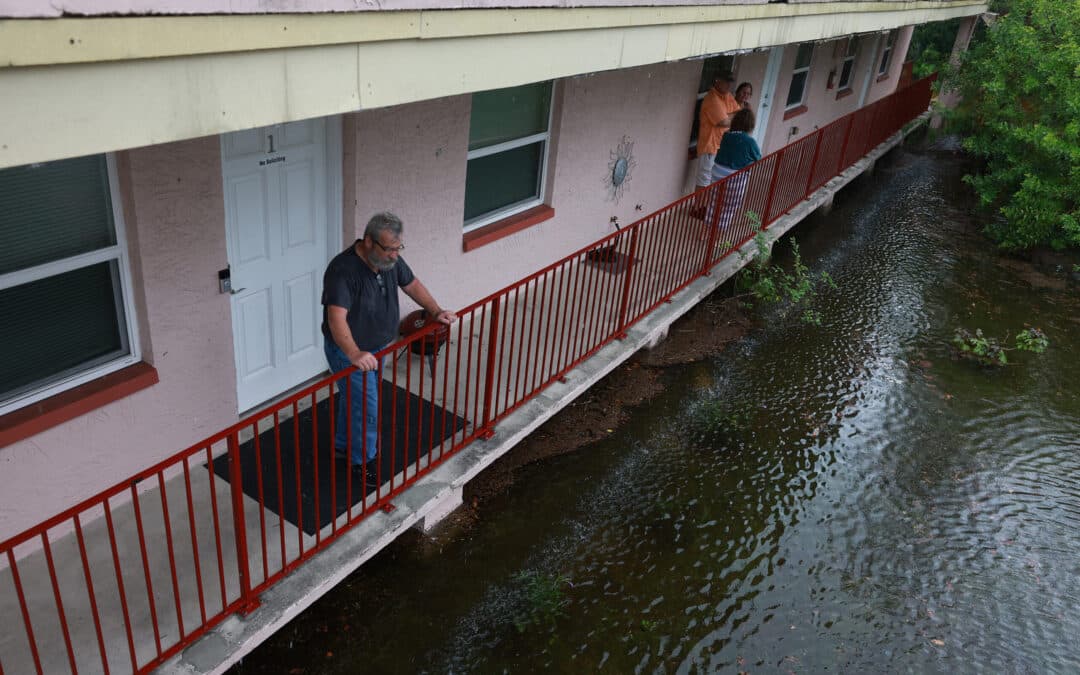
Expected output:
(61, 281)
(848, 67)
(53, 211)
(799, 75)
(506, 114)
(508, 141)
(59, 324)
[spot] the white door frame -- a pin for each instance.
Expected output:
(768, 95)
(334, 171)
(335, 185)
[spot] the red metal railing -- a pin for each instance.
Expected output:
(198, 536)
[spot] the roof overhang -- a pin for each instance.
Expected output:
(71, 87)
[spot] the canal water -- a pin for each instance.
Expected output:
(837, 497)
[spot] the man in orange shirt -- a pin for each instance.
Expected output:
(717, 109)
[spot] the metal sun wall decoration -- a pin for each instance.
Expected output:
(620, 168)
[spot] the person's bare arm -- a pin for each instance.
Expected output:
(419, 293)
(339, 329)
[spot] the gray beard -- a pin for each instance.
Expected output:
(382, 266)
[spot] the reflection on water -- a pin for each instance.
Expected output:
(840, 497)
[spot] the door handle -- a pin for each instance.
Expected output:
(225, 282)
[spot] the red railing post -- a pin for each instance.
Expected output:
(872, 130)
(813, 163)
(248, 602)
(624, 304)
(489, 377)
(772, 187)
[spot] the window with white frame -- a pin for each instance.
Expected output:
(711, 68)
(886, 53)
(64, 283)
(799, 75)
(509, 136)
(847, 67)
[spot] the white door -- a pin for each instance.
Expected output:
(768, 96)
(277, 228)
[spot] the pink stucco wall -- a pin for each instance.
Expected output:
(411, 159)
(175, 216)
(886, 86)
(822, 104)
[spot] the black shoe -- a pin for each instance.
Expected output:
(370, 475)
(366, 475)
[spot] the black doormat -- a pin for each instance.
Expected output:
(403, 414)
(608, 259)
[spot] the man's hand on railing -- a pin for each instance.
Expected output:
(446, 316)
(365, 361)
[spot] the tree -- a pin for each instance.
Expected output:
(1021, 91)
(931, 46)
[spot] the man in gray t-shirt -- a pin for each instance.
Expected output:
(360, 317)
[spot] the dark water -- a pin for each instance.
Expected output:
(842, 497)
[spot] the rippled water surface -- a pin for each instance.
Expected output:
(842, 497)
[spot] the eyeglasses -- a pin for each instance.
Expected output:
(389, 249)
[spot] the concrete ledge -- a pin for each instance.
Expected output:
(446, 505)
(439, 493)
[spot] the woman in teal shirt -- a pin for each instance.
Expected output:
(738, 149)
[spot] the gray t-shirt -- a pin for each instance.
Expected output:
(371, 298)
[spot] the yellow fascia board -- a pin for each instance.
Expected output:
(132, 99)
(41, 42)
(38, 42)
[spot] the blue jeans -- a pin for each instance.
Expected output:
(364, 416)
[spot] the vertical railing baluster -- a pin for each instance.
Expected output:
(772, 188)
(91, 595)
(624, 304)
(813, 162)
(146, 567)
(248, 602)
(489, 374)
(60, 603)
(172, 555)
(841, 164)
(24, 608)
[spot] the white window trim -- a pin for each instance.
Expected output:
(507, 145)
(796, 71)
(849, 56)
(117, 252)
(524, 205)
(886, 53)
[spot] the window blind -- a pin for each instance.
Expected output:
(53, 211)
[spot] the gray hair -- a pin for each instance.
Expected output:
(383, 222)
